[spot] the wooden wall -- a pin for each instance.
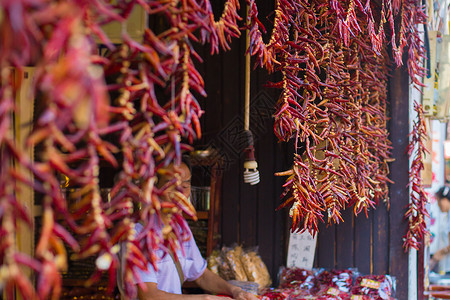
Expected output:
(248, 212)
(372, 244)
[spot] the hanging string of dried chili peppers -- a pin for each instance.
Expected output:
(417, 211)
(86, 120)
(333, 61)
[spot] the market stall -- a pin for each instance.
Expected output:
(330, 84)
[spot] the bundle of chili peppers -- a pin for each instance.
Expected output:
(297, 278)
(333, 63)
(137, 103)
(334, 284)
(417, 211)
(378, 287)
(341, 280)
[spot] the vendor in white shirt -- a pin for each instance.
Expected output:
(443, 198)
(166, 284)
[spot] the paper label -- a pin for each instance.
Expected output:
(333, 292)
(301, 250)
(370, 283)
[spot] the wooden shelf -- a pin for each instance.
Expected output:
(201, 215)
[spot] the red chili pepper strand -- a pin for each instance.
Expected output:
(361, 189)
(98, 221)
(365, 191)
(416, 51)
(380, 152)
(84, 122)
(417, 211)
(50, 246)
(181, 102)
(398, 48)
(375, 150)
(226, 27)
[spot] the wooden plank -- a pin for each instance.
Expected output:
(23, 126)
(226, 139)
(248, 213)
(214, 211)
(344, 240)
(363, 242)
(420, 273)
(270, 232)
(249, 195)
(201, 215)
(380, 246)
(399, 129)
(281, 217)
(267, 196)
(212, 119)
(327, 246)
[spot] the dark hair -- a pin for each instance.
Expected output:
(443, 192)
(186, 159)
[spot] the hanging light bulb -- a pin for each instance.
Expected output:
(251, 173)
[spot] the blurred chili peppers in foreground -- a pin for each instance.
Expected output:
(153, 107)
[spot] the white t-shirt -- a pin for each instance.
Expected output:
(445, 263)
(167, 278)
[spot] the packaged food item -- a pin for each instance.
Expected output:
(377, 287)
(214, 261)
(329, 292)
(248, 286)
(297, 278)
(232, 256)
(360, 297)
(299, 294)
(342, 280)
(255, 269)
(225, 270)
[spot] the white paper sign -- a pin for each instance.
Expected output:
(302, 248)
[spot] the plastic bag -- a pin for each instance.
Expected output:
(232, 256)
(214, 261)
(341, 280)
(329, 292)
(380, 287)
(225, 270)
(248, 286)
(255, 269)
(296, 278)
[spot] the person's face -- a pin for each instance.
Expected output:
(185, 180)
(444, 204)
(185, 177)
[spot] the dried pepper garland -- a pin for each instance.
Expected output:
(334, 66)
(417, 211)
(81, 125)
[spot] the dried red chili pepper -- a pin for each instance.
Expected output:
(417, 211)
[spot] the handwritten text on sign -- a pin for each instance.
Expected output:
(302, 248)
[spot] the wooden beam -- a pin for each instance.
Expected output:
(399, 196)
